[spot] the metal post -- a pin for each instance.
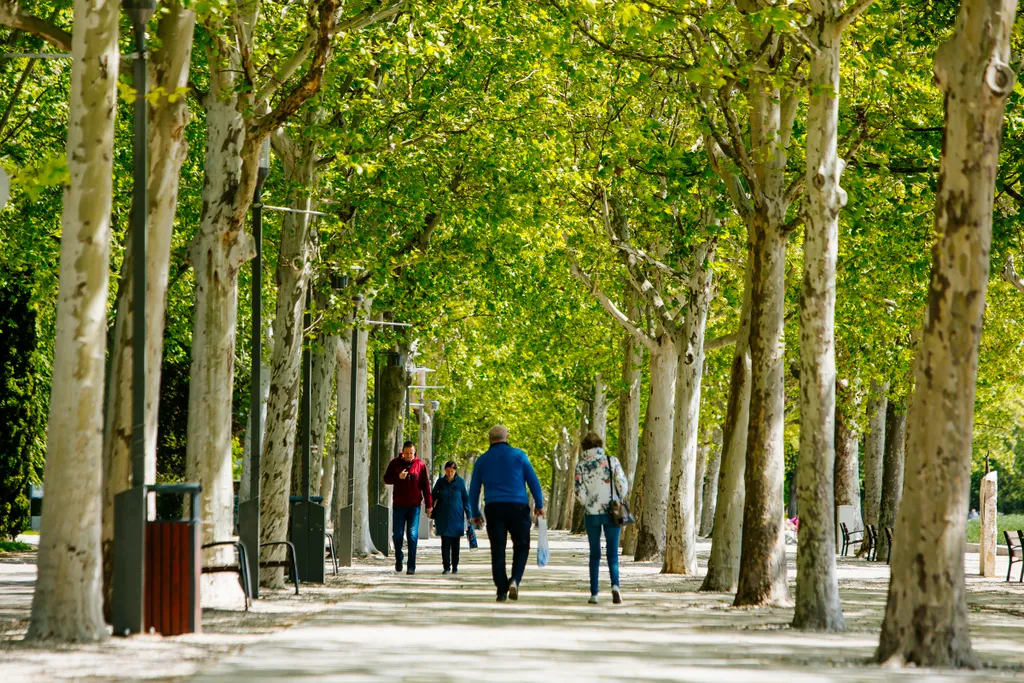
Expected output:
(307, 405)
(130, 505)
(249, 510)
(344, 532)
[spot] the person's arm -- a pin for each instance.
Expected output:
(391, 473)
(465, 500)
(621, 483)
(428, 500)
(534, 483)
(474, 491)
(578, 484)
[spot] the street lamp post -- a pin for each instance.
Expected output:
(249, 510)
(130, 506)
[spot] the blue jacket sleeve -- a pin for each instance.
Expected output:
(474, 491)
(533, 482)
(465, 501)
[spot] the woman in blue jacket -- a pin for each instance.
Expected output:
(450, 512)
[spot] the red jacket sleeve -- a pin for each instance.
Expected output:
(425, 487)
(391, 473)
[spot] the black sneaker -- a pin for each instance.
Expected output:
(446, 571)
(502, 597)
(411, 572)
(513, 592)
(398, 567)
(455, 570)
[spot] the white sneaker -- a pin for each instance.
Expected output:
(616, 595)
(592, 600)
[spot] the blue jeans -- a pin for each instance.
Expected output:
(407, 519)
(594, 524)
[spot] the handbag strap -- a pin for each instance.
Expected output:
(611, 478)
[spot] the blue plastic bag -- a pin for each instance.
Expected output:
(543, 549)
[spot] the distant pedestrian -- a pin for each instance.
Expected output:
(411, 481)
(450, 514)
(598, 478)
(505, 472)
(973, 514)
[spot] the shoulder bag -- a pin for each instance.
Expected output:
(618, 509)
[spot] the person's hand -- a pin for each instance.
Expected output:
(477, 522)
(539, 512)
(403, 474)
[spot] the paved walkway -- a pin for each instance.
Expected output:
(436, 628)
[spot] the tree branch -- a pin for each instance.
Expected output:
(721, 342)
(12, 16)
(1010, 275)
(850, 15)
(608, 305)
(5, 119)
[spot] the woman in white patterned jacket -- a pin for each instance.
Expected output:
(595, 472)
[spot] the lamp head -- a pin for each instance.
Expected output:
(140, 11)
(265, 154)
(338, 282)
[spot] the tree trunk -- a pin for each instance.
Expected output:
(570, 491)
(599, 408)
(325, 359)
(576, 523)
(892, 474)
(651, 526)
(279, 443)
(847, 467)
(358, 490)
(710, 501)
(217, 253)
(874, 449)
(629, 397)
(67, 604)
(168, 71)
(636, 495)
(817, 586)
(926, 613)
(394, 379)
(727, 540)
(681, 530)
(762, 579)
(698, 483)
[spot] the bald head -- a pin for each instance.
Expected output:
(498, 434)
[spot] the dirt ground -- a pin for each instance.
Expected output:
(368, 623)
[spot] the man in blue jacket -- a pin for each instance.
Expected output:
(505, 472)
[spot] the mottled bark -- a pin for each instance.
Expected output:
(67, 604)
(629, 397)
(727, 540)
(681, 526)
(762, 579)
(847, 466)
(874, 449)
(698, 483)
(292, 279)
(817, 585)
(710, 500)
(651, 525)
(926, 614)
(892, 474)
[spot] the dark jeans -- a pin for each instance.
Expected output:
(594, 525)
(504, 520)
(407, 519)
(450, 551)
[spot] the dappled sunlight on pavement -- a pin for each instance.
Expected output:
(431, 627)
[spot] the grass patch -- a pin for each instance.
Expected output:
(1003, 522)
(15, 547)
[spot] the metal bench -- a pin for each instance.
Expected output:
(872, 536)
(241, 567)
(1015, 549)
(292, 566)
(329, 550)
(849, 537)
(888, 539)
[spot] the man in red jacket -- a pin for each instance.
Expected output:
(411, 481)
